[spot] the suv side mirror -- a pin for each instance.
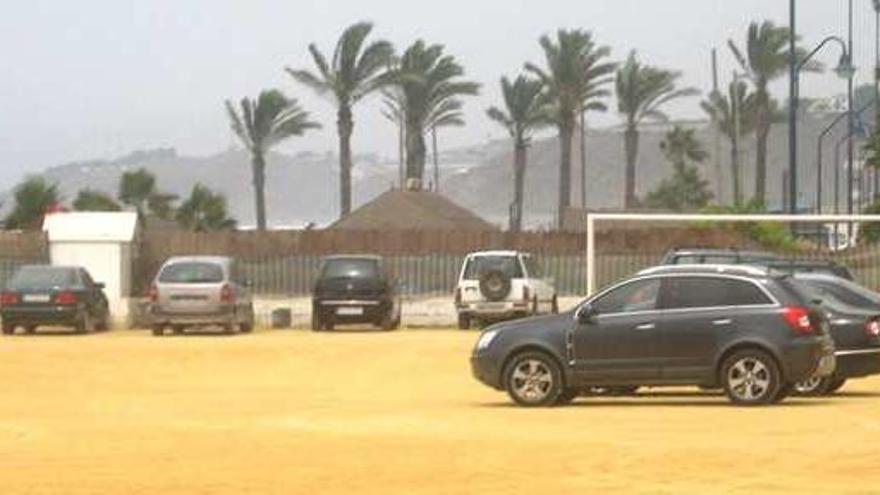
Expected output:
(587, 314)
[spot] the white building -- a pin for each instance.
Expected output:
(105, 244)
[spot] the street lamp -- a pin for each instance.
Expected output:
(845, 70)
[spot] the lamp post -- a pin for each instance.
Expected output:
(846, 70)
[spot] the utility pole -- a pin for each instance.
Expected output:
(851, 118)
(792, 110)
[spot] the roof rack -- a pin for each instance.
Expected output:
(756, 271)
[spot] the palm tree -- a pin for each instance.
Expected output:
(392, 110)
(33, 199)
(139, 190)
(575, 77)
(524, 111)
(641, 91)
(204, 210)
(356, 70)
(681, 146)
(261, 125)
(734, 115)
(765, 58)
(429, 85)
(92, 200)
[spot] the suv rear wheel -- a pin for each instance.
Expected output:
(533, 379)
(750, 377)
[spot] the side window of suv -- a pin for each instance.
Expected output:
(711, 292)
(640, 295)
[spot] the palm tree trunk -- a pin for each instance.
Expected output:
(436, 159)
(762, 135)
(566, 137)
(415, 153)
(631, 149)
(734, 172)
(519, 178)
(583, 126)
(401, 151)
(345, 127)
(259, 172)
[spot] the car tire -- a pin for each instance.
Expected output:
(464, 321)
(178, 329)
(814, 387)
(554, 306)
(8, 329)
(533, 379)
(389, 323)
(158, 330)
(247, 326)
(84, 323)
(30, 329)
(750, 377)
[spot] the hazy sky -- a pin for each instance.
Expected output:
(97, 79)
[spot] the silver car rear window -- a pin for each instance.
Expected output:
(192, 272)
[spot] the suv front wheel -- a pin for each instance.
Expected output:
(533, 379)
(750, 377)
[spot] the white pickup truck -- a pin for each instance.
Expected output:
(498, 285)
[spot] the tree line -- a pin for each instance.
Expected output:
(423, 89)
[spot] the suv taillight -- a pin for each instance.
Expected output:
(527, 295)
(872, 327)
(154, 294)
(226, 295)
(798, 318)
(65, 298)
(8, 298)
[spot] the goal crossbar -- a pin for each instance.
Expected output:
(593, 218)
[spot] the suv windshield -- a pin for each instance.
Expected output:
(43, 277)
(192, 272)
(478, 265)
(350, 268)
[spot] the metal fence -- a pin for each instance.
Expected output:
(437, 274)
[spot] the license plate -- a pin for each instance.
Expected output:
(36, 298)
(349, 311)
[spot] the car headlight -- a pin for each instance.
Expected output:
(486, 340)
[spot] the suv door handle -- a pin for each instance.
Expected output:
(723, 322)
(646, 326)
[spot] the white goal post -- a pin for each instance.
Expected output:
(650, 218)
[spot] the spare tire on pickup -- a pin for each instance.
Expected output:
(495, 285)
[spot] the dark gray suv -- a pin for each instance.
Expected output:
(747, 330)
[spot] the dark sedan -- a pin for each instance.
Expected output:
(53, 296)
(741, 328)
(854, 312)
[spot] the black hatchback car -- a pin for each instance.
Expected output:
(741, 328)
(39, 295)
(355, 290)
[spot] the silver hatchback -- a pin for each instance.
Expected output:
(200, 291)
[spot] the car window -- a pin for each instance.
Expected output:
(351, 268)
(709, 292)
(43, 277)
(533, 267)
(478, 265)
(721, 259)
(844, 294)
(687, 259)
(86, 278)
(192, 272)
(640, 295)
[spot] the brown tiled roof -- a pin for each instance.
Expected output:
(412, 210)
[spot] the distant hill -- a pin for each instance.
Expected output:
(304, 188)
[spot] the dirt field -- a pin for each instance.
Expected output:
(293, 412)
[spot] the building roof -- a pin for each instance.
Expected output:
(91, 226)
(413, 210)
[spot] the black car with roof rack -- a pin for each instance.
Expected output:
(733, 256)
(742, 328)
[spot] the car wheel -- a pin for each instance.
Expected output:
(247, 326)
(533, 379)
(158, 330)
(554, 307)
(30, 329)
(85, 323)
(464, 322)
(8, 329)
(178, 329)
(388, 323)
(813, 387)
(750, 377)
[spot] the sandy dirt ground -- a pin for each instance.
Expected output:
(373, 413)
